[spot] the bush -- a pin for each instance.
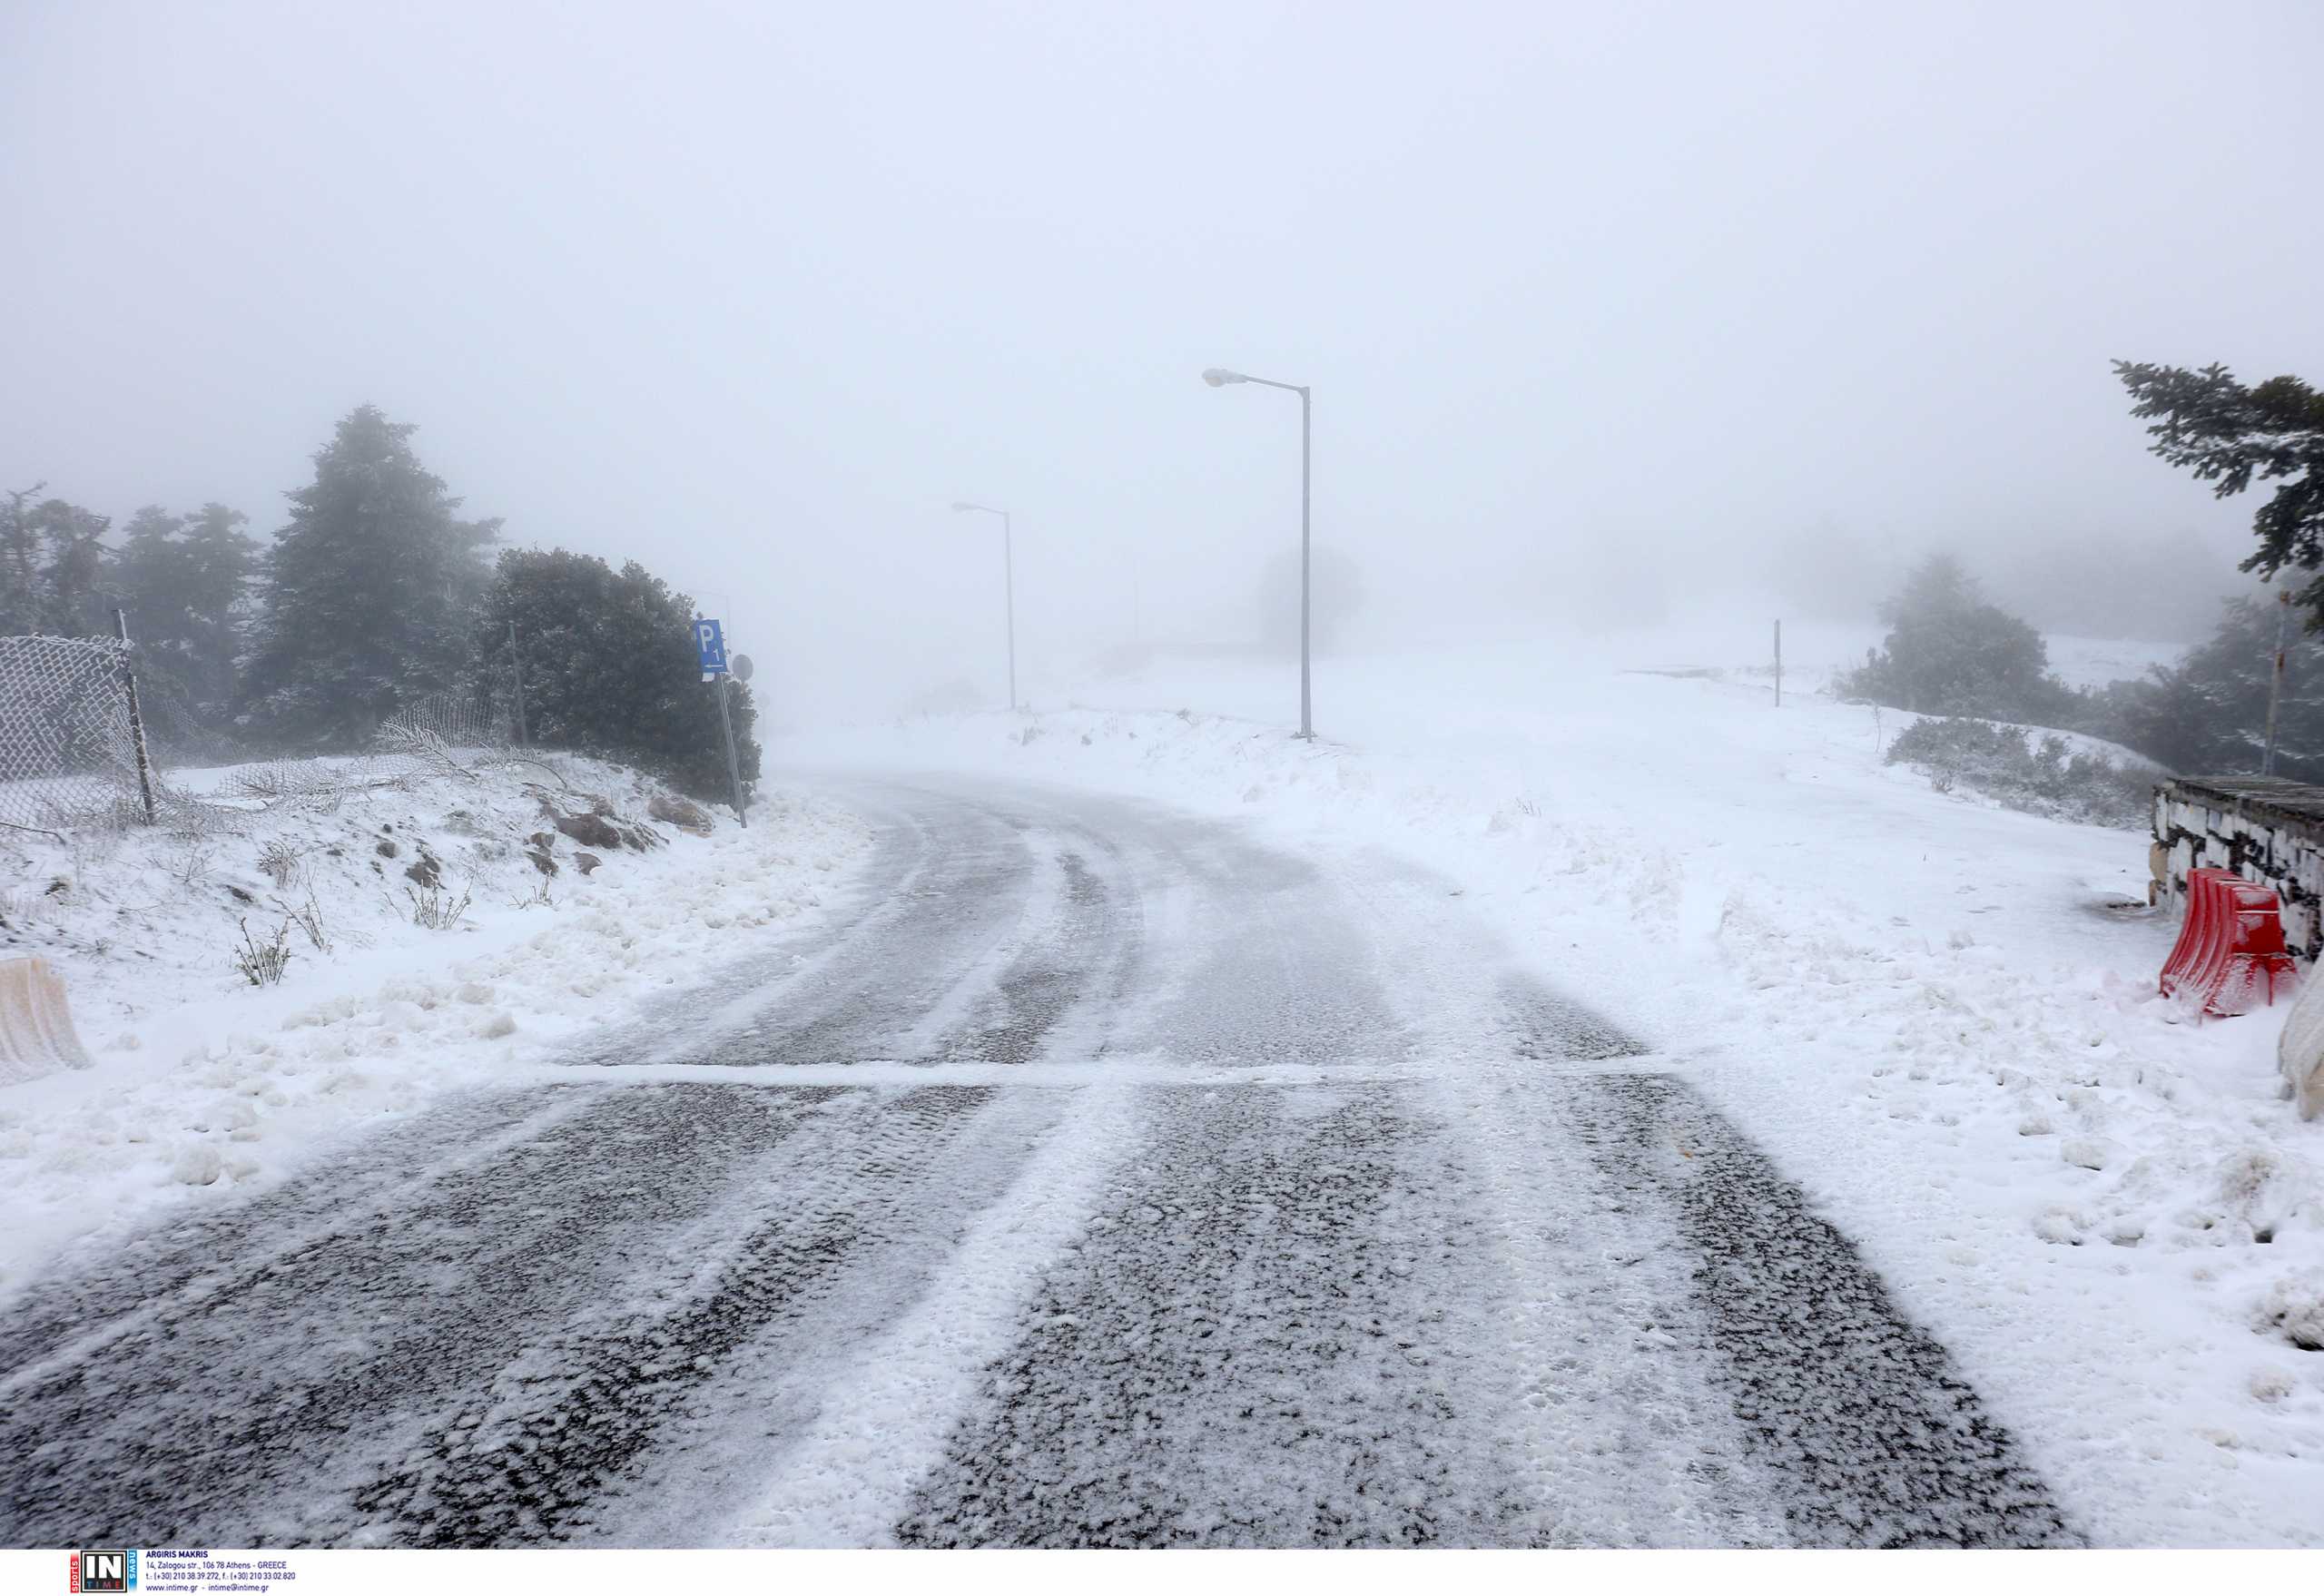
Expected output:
(263, 963)
(2005, 764)
(609, 668)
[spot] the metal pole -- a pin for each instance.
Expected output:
(516, 670)
(136, 716)
(1778, 664)
(1306, 700)
(2275, 681)
(1009, 581)
(733, 765)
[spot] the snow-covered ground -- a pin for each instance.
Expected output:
(204, 1086)
(1736, 643)
(1939, 1015)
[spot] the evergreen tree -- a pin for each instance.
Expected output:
(609, 667)
(1949, 652)
(2230, 435)
(149, 575)
(2208, 714)
(221, 564)
(185, 581)
(372, 590)
(20, 564)
(149, 578)
(52, 568)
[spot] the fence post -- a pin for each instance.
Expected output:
(136, 716)
(516, 670)
(1778, 664)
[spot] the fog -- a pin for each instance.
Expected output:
(1609, 312)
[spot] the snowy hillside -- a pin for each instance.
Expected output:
(1939, 1015)
(204, 1083)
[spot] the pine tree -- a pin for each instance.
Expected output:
(2207, 714)
(76, 568)
(609, 667)
(149, 575)
(221, 563)
(2232, 435)
(372, 591)
(185, 581)
(20, 563)
(52, 568)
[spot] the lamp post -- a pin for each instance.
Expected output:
(1218, 376)
(1008, 588)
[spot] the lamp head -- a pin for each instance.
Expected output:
(1219, 376)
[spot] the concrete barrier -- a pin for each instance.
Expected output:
(36, 1032)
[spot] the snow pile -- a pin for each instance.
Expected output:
(442, 930)
(1939, 1014)
(2300, 1051)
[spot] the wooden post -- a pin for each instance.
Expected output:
(1778, 664)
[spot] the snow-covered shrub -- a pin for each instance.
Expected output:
(2005, 763)
(308, 917)
(263, 963)
(280, 860)
(434, 909)
(191, 865)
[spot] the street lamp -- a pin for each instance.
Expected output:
(1008, 588)
(1218, 376)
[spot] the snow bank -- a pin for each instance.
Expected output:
(2300, 1051)
(1939, 1014)
(204, 1084)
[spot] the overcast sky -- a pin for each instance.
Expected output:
(753, 292)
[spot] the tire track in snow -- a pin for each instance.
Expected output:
(1250, 1345)
(1508, 1298)
(178, 1261)
(1045, 981)
(566, 1442)
(204, 1424)
(946, 880)
(977, 934)
(1861, 1428)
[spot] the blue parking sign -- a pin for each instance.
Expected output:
(710, 642)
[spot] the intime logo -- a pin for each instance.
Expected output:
(104, 1571)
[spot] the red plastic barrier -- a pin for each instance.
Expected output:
(2230, 955)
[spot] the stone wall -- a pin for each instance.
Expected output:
(2262, 828)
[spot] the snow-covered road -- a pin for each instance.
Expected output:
(1094, 1175)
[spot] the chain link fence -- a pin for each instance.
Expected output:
(458, 733)
(68, 757)
(479, 721)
